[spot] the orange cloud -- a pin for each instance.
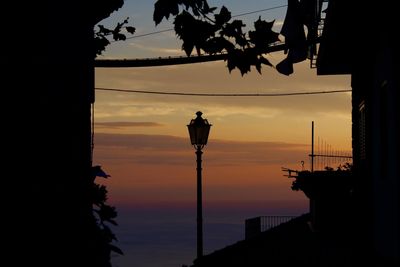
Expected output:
(161, 169)
(124, 124)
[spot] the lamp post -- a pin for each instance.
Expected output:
(199, 130)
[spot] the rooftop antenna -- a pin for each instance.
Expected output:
(312, 155)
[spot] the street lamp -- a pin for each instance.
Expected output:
(199, 129)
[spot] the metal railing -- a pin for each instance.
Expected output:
(255, 226)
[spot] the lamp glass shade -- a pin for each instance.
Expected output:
(199, 130)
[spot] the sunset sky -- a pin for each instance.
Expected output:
(141, 140)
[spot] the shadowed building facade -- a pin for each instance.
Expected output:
(358, 39)
(49, 68)
(362, 225)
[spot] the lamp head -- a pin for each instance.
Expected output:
(199, 130)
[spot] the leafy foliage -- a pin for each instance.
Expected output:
(203, 29)
(103, 214)
(100, 36)
(337, 181)
(165, 8)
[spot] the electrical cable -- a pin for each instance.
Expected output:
(235, 16)
(222, 94)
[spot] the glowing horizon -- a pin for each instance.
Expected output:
(250, 140)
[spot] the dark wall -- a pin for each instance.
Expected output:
(375, 134)
(48, 69)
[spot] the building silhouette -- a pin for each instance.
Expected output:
(48, 72)
(353, 221)
(48, 67)
(355, 43)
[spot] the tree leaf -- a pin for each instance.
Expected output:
(265, 61)
(263, 36)
(198, 50)
(115, 249)
(119, 36)
(98, 172)
(100, 44)
(188, 46)
(258, 67)
(106, 212)
(231, 64)
(217, 45)
(113, 222)
(104, 30)
(99, 194)
(165, 8)
(223, 17)
(130, 29)
(233, 29)
(107, 234)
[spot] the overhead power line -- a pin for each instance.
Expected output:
(235, 16)
(223, 95)
(258, 11)
(150, 33)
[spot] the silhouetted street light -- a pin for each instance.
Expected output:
(199, 129)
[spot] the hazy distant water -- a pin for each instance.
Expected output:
(167, 237)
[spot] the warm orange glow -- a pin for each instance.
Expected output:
(142, 140)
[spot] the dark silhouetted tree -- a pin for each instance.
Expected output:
(103, 216)
(101, 34)
(211, 30)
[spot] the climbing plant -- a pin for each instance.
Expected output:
(101, 34)
(103, 217)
